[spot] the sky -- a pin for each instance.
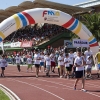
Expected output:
(7, 3)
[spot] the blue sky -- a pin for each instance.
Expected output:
(7, 3)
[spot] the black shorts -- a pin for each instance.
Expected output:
(79, 74)
(71, 66)
(3, 68)
(68, 68)
(37, 65)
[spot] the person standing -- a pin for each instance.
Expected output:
(79, 73)
(18, 61)
(97, 57)
(61, 65)
(3, 64)
(37, 59)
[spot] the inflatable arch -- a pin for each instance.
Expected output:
(47, 15)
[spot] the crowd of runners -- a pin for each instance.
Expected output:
(70, 64)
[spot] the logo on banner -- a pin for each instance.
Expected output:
(68, 43)
(51, 16)
(46, 12)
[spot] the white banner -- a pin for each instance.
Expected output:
(68, 43)
(16, 44)
(80, 43)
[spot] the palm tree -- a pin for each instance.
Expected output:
(92, 21)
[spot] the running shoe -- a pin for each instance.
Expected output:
(83, 90)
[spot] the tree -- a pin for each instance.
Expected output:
(92, 21)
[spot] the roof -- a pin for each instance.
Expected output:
(90, 3)
(40, 4)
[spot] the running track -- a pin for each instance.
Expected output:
(27, 87)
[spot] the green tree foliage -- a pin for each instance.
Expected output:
(92, 21)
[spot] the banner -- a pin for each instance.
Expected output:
(68, 43)
(80, 43)
(26, 44)
(16, 44)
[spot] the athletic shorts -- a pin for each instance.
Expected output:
(53, 64)
(99, 66)
(48, 67)
(29, 65)
(88, 69)
(71, 66)
(3, 68)
(79, 74)
(68, 68)
(41, 63)
(37, 65)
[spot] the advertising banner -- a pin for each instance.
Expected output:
(80, 43)
(68, 43)
(16, 44)
(26, 44)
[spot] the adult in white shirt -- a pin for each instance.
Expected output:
(37, 59)
(29, 63)
(61, 65)
(18, 60)
(88, 52)
(3, 64)
(67, 61)
(79, 74)
(48, 64)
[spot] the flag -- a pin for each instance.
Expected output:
(1, 44)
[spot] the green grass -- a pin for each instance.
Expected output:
(3, 96)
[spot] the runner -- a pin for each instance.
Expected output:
(48, 64)
(37, 59)
(61, 65)
(42, 61)
(53, 64)
(97, 57)
(3, 64)
(88, 67)
(79, 74)
(29, 62)
(67, 61)
(18, 60)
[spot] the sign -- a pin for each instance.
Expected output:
(69, 43)
(16, 44)
(80, 43)
(26, 44)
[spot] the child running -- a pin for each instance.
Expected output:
(48, 64)
(67, 65)
(29, 62)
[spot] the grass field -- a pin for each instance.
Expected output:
(3, 96)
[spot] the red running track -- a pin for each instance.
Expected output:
(27, 87)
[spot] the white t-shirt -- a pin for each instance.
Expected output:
(18, 59)
(71, 56)
(75, 54)
(48, 60)
(29, 60)
(78, 61)
(88, 53)
(67, 61)
(60, 60)
(3, 63)
(42, 58)
(52, 57)
(37, 58)
(88, 62)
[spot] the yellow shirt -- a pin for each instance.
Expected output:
(98, 57)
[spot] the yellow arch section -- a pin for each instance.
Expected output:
(2, 35)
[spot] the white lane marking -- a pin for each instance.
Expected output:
(51, 86)
(37, 88)
(67, 86)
